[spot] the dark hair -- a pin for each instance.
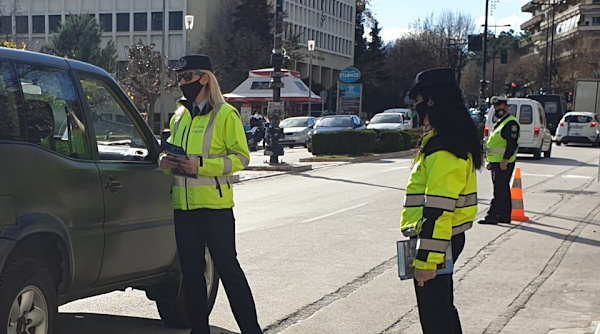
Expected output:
(452, 122)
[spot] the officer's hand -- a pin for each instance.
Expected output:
(504, 164)
(422, 276)
(167, 162)
(189, 166)
(488, 166)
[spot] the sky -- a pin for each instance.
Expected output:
(395, 16)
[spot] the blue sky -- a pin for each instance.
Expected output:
(395, 16)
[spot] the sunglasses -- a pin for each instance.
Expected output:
(188, 76)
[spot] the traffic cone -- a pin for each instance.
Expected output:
(516, 195)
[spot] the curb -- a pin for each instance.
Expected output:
(281, 168)
(393, 155)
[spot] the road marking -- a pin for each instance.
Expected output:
(334, 213)
(597, 330)
(540, 175)
(395, 168)
(568, 176)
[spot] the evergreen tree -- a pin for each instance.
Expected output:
(256, 17)
(79, 38)
(360, 42)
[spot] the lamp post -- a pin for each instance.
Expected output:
(550, 40)
(494, 54)
(163, 78)
(274, 149)
(189, 25)
(311, 48)
(483, 82)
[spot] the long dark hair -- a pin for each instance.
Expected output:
(452, 122)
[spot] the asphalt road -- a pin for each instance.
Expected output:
(319, 251)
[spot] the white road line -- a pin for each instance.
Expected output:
(597, 330)
(394, 169)
(334, 213)
(568, 176)
(540, 175)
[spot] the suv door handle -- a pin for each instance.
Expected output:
(112, 184)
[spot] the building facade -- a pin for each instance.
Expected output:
(331, 24)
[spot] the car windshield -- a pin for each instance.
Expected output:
(294, 123)
(380, 119)
(578, 119)
(335, 122)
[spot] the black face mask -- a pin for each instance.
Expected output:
(499, 113)
(422, 110)
(191, 90)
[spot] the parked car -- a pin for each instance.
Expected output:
(84, 207)
(406, 112)
(389, 121)
(296, 129)
(578, 127)
(335, 123)
(535, 137)
(555, 107)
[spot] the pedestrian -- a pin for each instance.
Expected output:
(213, 137)
(441, 195)
(415, 118)
(501, 154)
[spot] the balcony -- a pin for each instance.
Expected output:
(527, 25)
(530, 7)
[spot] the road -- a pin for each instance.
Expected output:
(319, 252)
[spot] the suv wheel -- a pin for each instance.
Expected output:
(548, 153)
(176, 314)
(27, 298)
(537, 153)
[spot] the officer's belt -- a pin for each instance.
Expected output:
(201, 181)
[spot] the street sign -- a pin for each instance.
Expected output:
(351, 98)
(323, 94)
(350, 75)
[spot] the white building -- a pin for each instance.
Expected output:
(331, 24)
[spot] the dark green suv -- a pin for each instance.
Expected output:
(84, 207)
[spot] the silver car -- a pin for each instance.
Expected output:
(389, 121)
(296, 129)
(336, 123)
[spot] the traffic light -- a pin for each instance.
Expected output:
(504, 56)
(570, 97)
(514, 85)
(475, 43)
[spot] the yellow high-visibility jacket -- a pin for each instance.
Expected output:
(217, 136)
(441, 201)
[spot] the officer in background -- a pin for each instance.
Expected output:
(501, 154)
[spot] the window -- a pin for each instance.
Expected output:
(54, 117)
(157, 21)
(12, 123)
(140, 21)
(526, 115)
(542, 117)
(106, 21)
(22, 24)
(578, 119)
(123, 22)
(5, 25)
(176, 21)
(53, 23)
(116, 136)
(39, 24)
(596, 21)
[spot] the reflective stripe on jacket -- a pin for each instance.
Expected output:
(441, 201)
(219, 138)
(496, 144)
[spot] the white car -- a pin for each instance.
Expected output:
(535, 137)
(389, 121)
(578, 127)
(406, 112)
(296, 129)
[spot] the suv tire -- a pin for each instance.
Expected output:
(27, 284)
(537, 153)
(548, 153)
(175, 314)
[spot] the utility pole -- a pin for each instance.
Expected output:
(163, 77)
(483, 82)
(274, 149)
(554, 4)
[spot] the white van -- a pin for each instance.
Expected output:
(535, 137)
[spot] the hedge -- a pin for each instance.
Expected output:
(344, 142)
(364, 142)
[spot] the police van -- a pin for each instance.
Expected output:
(535, 137)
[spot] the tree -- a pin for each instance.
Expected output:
(142, 78)
(79, 37)
(11, 44)
(255, 16)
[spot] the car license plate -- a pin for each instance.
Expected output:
(575, 134)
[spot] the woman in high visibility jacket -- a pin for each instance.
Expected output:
(441, 196)
(211, 133)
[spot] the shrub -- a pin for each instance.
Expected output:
(344, 142)
(415, 136)
(391, 141)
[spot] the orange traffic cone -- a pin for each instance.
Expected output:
(516, 195)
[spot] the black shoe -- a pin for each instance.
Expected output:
(488, 222)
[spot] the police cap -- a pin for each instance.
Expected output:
(498, 100)
(194, 62)
(430, 78)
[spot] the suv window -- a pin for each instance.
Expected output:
(526, 114)
(116, 135)
(52, 111)
(542, 117)
(12, 123)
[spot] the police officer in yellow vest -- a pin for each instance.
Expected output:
(441, 195)
(501, 154)
(212, 134)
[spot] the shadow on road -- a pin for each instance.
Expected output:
(312, 176)
(90, 323)
(555, 162)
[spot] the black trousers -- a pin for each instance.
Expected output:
(436, 299)
(216, 228)
(501, 208)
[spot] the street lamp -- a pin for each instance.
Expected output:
(189, 22)
(494, 53)
(311, 48)
(550, 44)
